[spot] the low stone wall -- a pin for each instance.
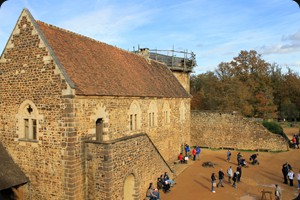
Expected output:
(221, 130)
(129, 162)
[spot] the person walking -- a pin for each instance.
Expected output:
(239, 169)
(228, 155)
(285, 170)
(291, 177)
(234, 178)
(238, 158)
(213, 182)
(277, 192)
(221, 178)
(229, 174)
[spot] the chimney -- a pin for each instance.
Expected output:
(145, 53)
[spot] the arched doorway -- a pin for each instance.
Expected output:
(99, 129)
(129, 188)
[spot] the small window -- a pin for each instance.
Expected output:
(30, 129)
(134, 116)
(166, 113)
(152, 114)
(27, 122)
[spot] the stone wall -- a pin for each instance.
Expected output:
(30, 77)
(220, 130)
(110, 163)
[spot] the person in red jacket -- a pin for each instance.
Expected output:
(194, 152)
(180, 158)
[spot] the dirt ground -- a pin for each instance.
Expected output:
(194, 182)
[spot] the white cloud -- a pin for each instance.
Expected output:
(108, 24)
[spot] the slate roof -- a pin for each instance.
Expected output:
(100, 69)
(10, 173)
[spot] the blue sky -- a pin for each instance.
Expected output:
(216, 31)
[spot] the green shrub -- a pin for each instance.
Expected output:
(273, 127)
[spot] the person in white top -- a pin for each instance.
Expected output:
(229, 174)
(277, 192)
(291, 177)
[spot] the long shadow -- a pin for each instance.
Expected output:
(276, 179)
(221, 158)
(279, 174)
(203, 185)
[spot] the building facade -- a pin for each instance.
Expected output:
(86, 120)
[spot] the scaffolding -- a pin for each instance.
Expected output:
(175, 60)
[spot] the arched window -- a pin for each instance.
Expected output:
(134, 116)
(27, 121)
(152, 114)
(166, 113)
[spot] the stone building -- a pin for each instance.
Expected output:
(86, 120)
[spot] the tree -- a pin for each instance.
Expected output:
(248, 72)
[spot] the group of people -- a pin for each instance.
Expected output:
(195, 154)
(233, 177)
(164, 183)
(288, 175)
(241, 161)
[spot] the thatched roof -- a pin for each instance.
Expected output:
(10, 173)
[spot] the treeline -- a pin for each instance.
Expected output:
(250, 86)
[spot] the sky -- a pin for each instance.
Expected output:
(215, 30)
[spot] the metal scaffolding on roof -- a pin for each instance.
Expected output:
(175, 60)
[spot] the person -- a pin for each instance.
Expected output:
(253, 158)
(194, 152)
(180, 158)
(243, 163)
(285, 170)
(298, 179)
(187, 149)
(156, 193)
(294, 141)
(239, 169)
(238, 157)
(229, 174)
(277, 192)
(168, 180)
(228, 155)
(213, 182)
(186, 158)
(291, 177)
(198, 151)
(150, 192)
(234, 178)
(221, 178)
(161, 184)
(297, 140)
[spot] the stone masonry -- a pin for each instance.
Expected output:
(59, 162)
(222, 130)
